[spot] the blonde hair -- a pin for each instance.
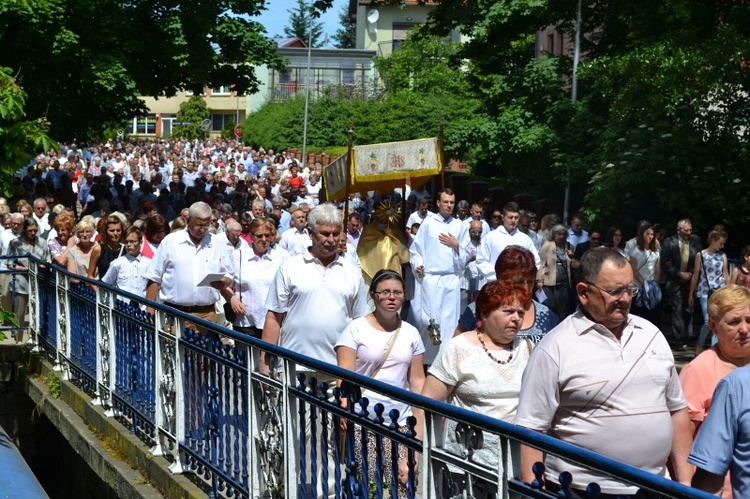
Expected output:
(85, 224)
(730, 297)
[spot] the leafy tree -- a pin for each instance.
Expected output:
(84, 63)
(193, 111)
(20, 138)
(346, 36)
(302, 24)
(658, 130)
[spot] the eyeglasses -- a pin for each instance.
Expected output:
(619, 291)
(127, 241)
(201, 226)
(497, 216)
(388, 294)
(595, 238)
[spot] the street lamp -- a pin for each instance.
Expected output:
(573, 97)
(307, 87)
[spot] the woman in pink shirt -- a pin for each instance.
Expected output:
(729, 319)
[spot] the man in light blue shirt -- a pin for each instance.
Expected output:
(723, 441)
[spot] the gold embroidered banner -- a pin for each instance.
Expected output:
(384, 167)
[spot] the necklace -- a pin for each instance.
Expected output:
(501, 362)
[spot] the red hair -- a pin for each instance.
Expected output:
(498, 294)
(515, 264)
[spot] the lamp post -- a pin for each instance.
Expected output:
(307, 87)
(573, 96)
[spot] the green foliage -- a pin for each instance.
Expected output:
(345, 36)
(20, 138)
(422, 65)
(53, 383)
(228, 131)
(7, 317)
(84, 63)
(658, 129)
(302, 24)
(193, 111)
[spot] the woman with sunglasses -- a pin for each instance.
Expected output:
(253, 273)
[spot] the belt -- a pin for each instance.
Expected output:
(200, 309)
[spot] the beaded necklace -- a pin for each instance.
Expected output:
(501, 362)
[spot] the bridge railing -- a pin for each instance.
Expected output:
(200, 401)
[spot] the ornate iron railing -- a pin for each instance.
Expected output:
(199, 401)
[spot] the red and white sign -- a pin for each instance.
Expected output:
(238, 131)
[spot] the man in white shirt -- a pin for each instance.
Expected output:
(438, 257)
(182, 261)
(231, 239)
(6, 236)
(315, 291)
(419, 216)
(475, 213)
(297, 238)
(503, 236)
(303, 197)
(600, 378)
(472, 280)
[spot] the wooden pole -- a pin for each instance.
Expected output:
(403, 204)
(441, 152)
(348, 174)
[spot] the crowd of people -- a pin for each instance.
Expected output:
(553, 327)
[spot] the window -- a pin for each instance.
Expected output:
(551, 44)
(399, 34)
(222, 90)
(219, 121)
(144, 125)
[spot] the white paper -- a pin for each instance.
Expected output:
(540, 295)
(210, 278)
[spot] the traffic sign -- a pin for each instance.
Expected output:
(206, 125)
(238, 131)
(120, 133)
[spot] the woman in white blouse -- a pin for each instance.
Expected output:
(253, 273)
(644, 258)
(480, 370)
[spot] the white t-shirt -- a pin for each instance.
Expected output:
(646, 262)
(316, 299)
(370, 345)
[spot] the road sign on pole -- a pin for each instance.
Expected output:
(206, 125)
(238, 131)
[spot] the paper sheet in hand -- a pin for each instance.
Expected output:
(540, 295)
(210, 278)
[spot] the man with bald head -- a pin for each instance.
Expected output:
(231, 238)
(297, 238)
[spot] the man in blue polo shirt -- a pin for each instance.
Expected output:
(723, 442)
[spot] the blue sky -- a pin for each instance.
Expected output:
(276, 17)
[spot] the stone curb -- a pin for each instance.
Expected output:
(128, 468)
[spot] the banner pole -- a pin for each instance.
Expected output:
(442, 154)
(348, 174)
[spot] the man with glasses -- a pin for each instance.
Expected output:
(183, 260)
(600, 379)
(505, 235)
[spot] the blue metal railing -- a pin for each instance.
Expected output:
(201, 403)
